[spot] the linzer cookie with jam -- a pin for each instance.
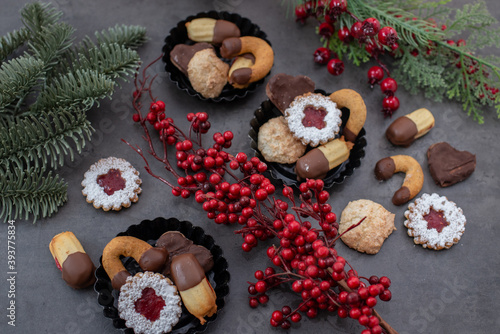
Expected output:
(435, 222)
(313, 118)
(149, 303)
(111, 184)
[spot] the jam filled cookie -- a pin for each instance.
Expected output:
(369, 236)
(313, 118)
(111, 183)
(435, 222)
(149, 303)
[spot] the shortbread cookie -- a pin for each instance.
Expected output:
(435, 222)
(149, 303)
(313, 118)
(111, 184)
(369, 236)
(277, 144)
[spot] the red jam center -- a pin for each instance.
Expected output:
(314, 117)
(150, 304)
(435, 219)
(111, 181)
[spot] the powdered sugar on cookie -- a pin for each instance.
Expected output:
(132, 291)
(312, 135)
(430, 237)
(116, 199)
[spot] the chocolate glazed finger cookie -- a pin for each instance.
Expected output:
(414, 179)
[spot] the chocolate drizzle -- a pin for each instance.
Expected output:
(78, 270)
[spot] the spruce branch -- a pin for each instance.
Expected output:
(26, 192)
(83, 87)
(17, 77)
(127, 36)
(11, 41)
(51, 42)
(37, 15)
(44, 140)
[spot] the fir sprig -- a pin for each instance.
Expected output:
(428, 59)
(43, 140)
(29, 192)
(44, 96)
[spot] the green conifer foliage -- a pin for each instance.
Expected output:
(47, 85)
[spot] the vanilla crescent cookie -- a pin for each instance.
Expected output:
(140, 293)
(111, 184)
(369, 236)
(313, 118)
(435, 222)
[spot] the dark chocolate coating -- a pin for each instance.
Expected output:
(402, 131)
(313, 165)
(119, 279)
(186, 271)
(78, 270)
(224, 29)
(241, 76)
(384, 169)
(153, 259)
(401, 196)
(283, 88)
(230, 48)
(176, 243)
(181, 54)
(448, 166)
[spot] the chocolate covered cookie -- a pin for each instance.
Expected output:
(448, 165)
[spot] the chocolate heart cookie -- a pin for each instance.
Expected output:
(283, 88)
(448, 165)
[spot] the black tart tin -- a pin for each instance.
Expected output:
(178, 35)
(286, 172)
(150, 231)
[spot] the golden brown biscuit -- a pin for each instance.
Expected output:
(207, 73)
(414, 179)
(350, 99)
(369, 236)
(259, 48)
(277, 143)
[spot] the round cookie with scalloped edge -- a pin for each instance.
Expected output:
(435, 222)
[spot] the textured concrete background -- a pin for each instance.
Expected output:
(452, 291)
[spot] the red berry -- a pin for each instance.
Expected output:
(344, 34)
(253, 302)
(353, 282)
(370, 26)
(389, 86)
(390, 104)
(387, 36)
(261, 286)
(296, 317)
(326, 30)
(375, 74)
(136, 117)
(335, 66)
(300, 13)
(321, 55)
(386, 295)
(337, 7)
(357, 30)
(385, 281)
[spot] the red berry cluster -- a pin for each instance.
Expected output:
(376, 40)
(307, 260)
(233, 189)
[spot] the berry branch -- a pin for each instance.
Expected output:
(423, 56)
(233, 189)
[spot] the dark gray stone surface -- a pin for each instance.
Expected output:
(451, 291)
